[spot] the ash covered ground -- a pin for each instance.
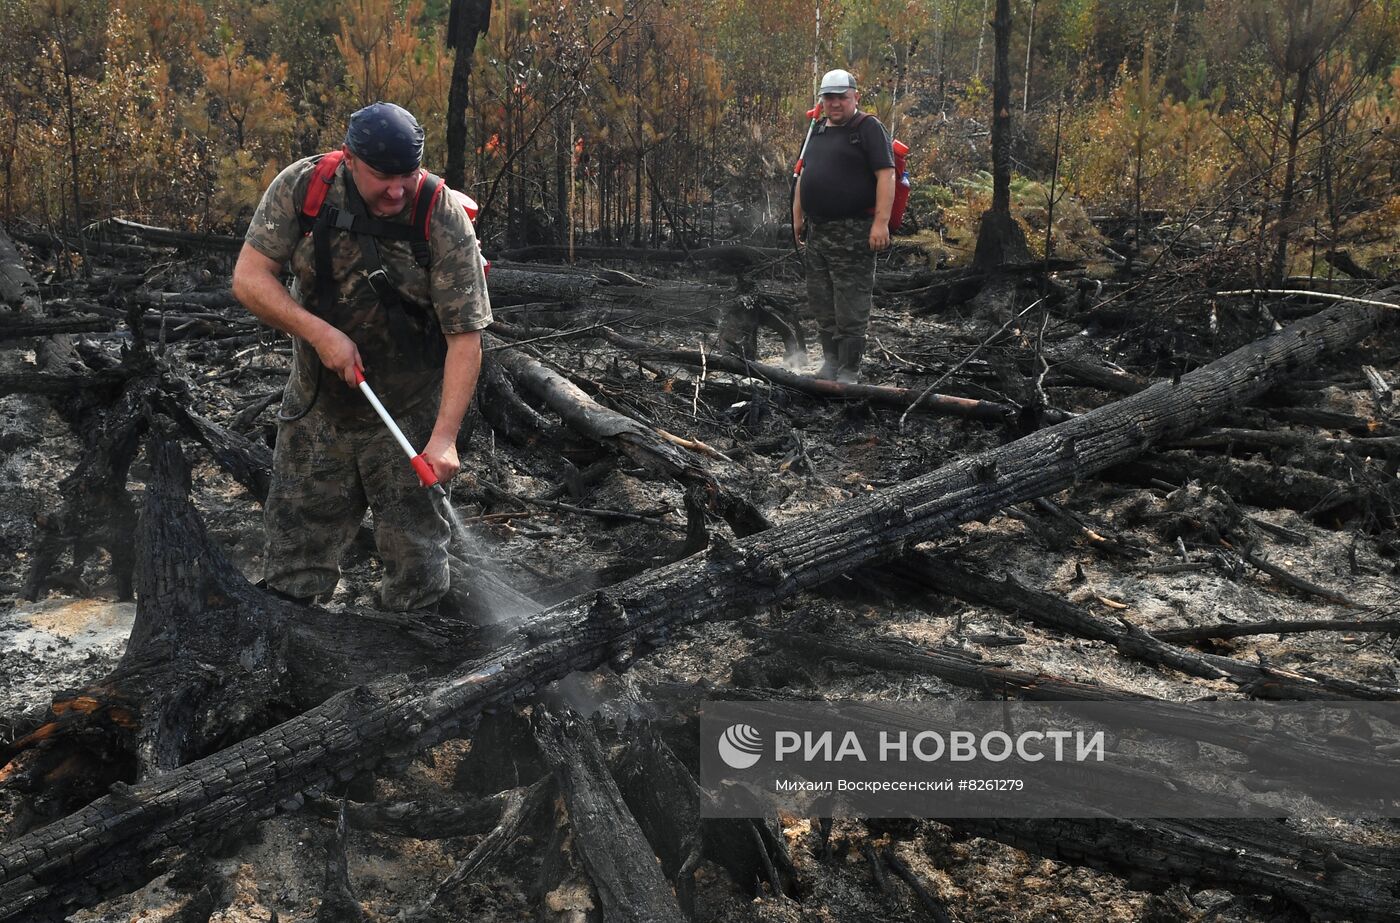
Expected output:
(792, 455)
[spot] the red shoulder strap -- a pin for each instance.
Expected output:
(321, 178)
(423, 205)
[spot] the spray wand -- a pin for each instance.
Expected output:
(420, 464)
(814, 114)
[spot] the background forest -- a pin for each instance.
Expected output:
(640, 121)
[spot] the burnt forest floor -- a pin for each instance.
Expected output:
(1151, 551)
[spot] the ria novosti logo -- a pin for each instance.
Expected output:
(740, 746)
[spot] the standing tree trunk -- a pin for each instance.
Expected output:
(1279, 268)
(1000, 239)
(1030, 40)
(71, 109)
(466, 21)
(981, 35)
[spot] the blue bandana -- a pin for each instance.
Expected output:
(387, 137)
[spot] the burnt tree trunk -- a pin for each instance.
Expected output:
(617, 857)
(1000, 239)
(466, 21)
(124, 839)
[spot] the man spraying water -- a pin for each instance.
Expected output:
(389, 286)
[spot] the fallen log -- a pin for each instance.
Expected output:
(1257, 439)
(222, 243)
(632, 439)
(1329, 879)
(1333, 419)
(521, 807)
(1289, 579)
(882, 395)
(1046, 610)
(665, 799)
(421, 820)
(685, 301)
(338, 903)
(956, 668)
(124, 838)
(1256, 483)
(61, 384)
(21, 327)
(97, 512)
(17, 287)
(1259, 857)
(1223, 631)
(726, 255)
(617, 857)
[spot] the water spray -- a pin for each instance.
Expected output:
(425, 473)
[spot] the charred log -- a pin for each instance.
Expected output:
(97, 512)
(883, 395)
(618, 858)
(521, 811)
(338, 904)
(1324, 877)
(1256, 483)
(632, 439)
(665, 799)
(1226, 630)
(1055, 613)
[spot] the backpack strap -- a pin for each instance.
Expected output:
(322, 221)
(430, 189)
(321, 179)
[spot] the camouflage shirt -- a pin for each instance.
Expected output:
(452, 286)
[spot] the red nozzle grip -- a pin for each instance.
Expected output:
(426, 477)
(814, 111)
(359, 375)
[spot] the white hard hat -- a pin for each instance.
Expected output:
(837, 81)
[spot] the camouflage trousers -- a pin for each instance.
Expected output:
(840, 276)
(325, 472)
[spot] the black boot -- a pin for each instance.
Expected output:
(829, 352)
(849, 351)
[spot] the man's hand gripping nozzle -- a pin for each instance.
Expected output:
(426, 476)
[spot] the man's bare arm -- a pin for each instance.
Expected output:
(884, 202)
(257, 283)
(459, 374)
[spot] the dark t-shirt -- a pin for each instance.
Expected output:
(838, 171)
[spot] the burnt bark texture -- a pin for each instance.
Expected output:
(121, 839)
(631, 439)
(1000, 240)
(466, 21)
(616, 855)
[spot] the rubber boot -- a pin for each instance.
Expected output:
(849, 351)
(829, 352)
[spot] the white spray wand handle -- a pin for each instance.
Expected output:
(425, 472)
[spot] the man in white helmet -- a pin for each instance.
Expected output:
(843, 200)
